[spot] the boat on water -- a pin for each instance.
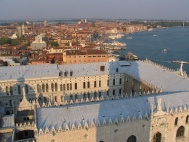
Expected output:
(115, 36)
(115, 43)
(150, 29)
(131, 56)
(164, 50)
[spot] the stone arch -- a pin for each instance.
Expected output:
(132, 138)
(157, 137)
(180, 131)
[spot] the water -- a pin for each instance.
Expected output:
(151, 45)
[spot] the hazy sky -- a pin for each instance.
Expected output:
(129, 9)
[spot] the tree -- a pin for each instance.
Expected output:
(54, 44)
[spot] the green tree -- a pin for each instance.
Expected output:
(54, 44)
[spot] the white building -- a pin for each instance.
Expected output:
(38, 43)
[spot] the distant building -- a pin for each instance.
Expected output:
(45, 23)
(38, 43)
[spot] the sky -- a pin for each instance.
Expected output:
(106, 9)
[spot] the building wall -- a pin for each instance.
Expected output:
(36, 46)
(143, 129)
(106, 133)
(72, 59)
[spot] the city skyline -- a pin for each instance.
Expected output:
(143, 9)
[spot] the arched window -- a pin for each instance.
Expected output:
(38, 88)
(157, 137)
(61, 87)
(187, 118)
(56, 87)
(180, 131)
(19, 89)
(43, 87)
(26, 89)
(131, 139)
(52, 87)
(176, 121)
(11, 90)
(47, 88)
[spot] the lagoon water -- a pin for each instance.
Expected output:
(151, 44)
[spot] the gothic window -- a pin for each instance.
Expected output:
(157, 137)
(19, 89)
(113, 81)
(56, 87)
(120, 81)
(100, 83)
(38, 88)
(75, 86)
(43, 87)
(64, 87)
(131, 139)
(7, 90)
(55, 98)
(113, 92)
(107, 82)
(70, 86)
(11, 91)
(116, 69)
(52, 87)
(187, 119)
(94, 83)
(61, 87)
(120, 91)
(176, 121)
(47, 87)
(83, 84)
(88, 84)
(180, 131)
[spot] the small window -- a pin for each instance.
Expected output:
(88, 84)
(107, 82)
(187, 118)
(94, 83)
(75, 86)
(120, 81)
(102, 68)
(71, 73)
(176, 121)
(99, 83)
(117, 69)
(113, 81)
(113, 92)
(84, 85)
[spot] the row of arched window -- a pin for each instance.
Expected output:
(158, 136)
(186, 120)
(180, 133)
